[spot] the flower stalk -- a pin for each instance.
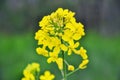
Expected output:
(64, 67)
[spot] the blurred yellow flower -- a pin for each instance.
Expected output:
(47, 76)
(30, 71)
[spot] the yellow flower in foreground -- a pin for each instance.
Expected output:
(59, 33)
(47, 76)
(71, 68)
(42, 51)
(72, 47)
(30, 71)
(83, 64)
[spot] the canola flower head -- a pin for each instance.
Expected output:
(30, 71)
(47, 76)
(59, 32)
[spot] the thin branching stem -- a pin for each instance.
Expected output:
(62, 73)
(72, 72)
(66, 63)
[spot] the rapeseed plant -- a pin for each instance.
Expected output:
(59, 34)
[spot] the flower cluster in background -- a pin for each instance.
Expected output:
(32, 71)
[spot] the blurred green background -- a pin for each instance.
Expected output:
(19, 22)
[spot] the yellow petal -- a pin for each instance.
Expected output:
(42, 51)
(83, 64)
(59, 62)
(56, 49)
(76, 36)
(69, 52)
(76, 45)
(83, 53)
(63, 47)
(71, 42)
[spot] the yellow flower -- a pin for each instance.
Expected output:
(59, 32)
(29, 77)
(47, 76)
(71, 68)
(41, 35)
(72, 47)
(67, 36)
(30, 71)
(53, 57)
(82, 53)
(63, 47)
(42, 51)
(83, 64)
(79, 31)
(74, 31)
(45, 22)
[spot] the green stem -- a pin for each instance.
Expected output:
(62, 73)
(64, 68)
(72, 72)
(66, 62)
(36, 75)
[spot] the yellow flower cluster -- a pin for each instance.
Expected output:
(59, 32)
(32, 70)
